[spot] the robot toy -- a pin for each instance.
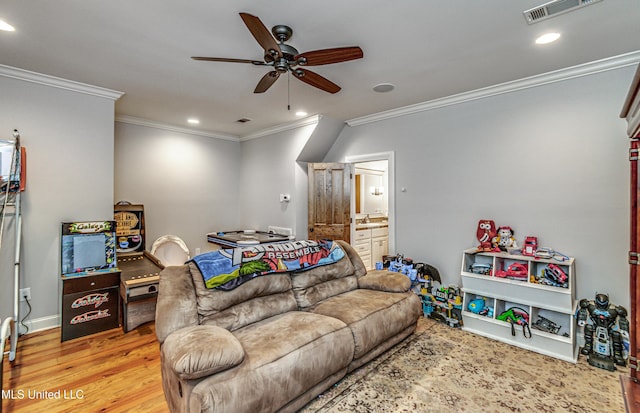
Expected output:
(603, 345)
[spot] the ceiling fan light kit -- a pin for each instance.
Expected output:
(285, 58)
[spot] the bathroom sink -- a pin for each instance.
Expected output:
(372, 225)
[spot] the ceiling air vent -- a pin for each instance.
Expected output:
(554, 8)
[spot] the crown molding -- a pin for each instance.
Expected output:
(311, 120)
(57, 82)
(586, 69)
(164, 126)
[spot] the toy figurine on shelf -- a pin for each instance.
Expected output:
(485, 233)
(504, 239)
(530, 246)
(603, 344)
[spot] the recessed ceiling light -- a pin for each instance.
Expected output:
(193, 121)
(548, 38)
(301, 113)
(6, 27)
(384, 87)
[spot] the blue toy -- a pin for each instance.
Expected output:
(479, 306)
(475, 306)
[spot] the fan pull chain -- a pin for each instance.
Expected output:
(288, 91)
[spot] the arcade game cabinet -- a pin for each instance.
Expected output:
(90, 278)
(140, 269)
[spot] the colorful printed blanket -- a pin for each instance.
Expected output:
(228, 268)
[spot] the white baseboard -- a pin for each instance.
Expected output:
(39, 324)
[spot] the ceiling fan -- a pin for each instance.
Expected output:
(284, 58)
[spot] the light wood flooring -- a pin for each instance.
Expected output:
(104, 372)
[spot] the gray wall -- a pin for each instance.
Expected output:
(187, 183)
(269, 168)
(69, 140)
(549, 161)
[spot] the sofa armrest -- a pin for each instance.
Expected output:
(385, 281)
(200, 351)
(176, 306)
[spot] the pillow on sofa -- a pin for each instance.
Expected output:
(382, 280)
(200, 351)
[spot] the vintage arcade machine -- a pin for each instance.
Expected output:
(90, 278)
(140, 269)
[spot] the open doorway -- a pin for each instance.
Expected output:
(372, 206)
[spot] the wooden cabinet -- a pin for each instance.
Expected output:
(371, 244)
(548, 302)
(362, 245)
(379, 244)
(90, 304)
(631, 112)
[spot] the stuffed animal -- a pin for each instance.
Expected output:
(504, 239)
(485, 233)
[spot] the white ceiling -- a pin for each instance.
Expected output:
(428, 49)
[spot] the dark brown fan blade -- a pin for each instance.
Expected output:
(266, 81)
(316, 80)
(328, 56)
(262, 35)
(224, 59)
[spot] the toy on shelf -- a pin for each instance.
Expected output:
(480, 268)
(516, 315)
(553, 275)
(530, 246)
(504, 239)
(603, 342)
(485, 233)
(480, 307)
(546, 325)
(516, 271)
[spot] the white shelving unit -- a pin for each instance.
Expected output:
(542, 302)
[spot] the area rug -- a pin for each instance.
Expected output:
(443, 369)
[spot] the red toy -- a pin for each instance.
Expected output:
(530, 246)
(485, 233)
(515, 271)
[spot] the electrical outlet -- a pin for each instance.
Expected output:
(25, 294)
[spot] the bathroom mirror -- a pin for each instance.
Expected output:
(370, 192)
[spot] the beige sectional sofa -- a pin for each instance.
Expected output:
(277, 341)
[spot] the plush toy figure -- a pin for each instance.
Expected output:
(504, 239)
(485, 233)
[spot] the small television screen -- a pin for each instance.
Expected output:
(88, 247)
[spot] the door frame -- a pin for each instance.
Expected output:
(379, 156)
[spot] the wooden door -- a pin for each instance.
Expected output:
(329, 201)
(634, 259)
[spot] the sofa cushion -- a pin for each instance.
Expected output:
(373, 316)
(200, 351)
(383, 280)
(254, 300)
(286, 355)
(314, 285)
